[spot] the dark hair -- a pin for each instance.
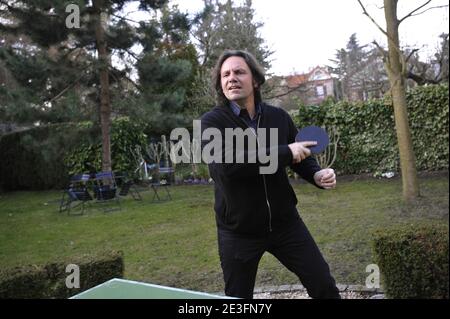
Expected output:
(254, 66)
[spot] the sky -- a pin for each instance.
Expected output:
(307, 33)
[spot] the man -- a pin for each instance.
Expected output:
(257, 212)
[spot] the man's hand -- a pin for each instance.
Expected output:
(325, 178)
(300, 150)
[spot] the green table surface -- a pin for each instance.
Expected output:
(126, 289)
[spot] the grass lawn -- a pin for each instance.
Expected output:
(174, 242)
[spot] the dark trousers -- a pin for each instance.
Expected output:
(293, 246)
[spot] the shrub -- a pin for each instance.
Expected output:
(413, 261)
(368, 141)
(44, 157)
(49, 280)
(125, 136)
(203, 171)
(33, 159)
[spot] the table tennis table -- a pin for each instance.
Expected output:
(126, 289)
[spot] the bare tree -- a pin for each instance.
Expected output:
(432, 72)
(396, 68)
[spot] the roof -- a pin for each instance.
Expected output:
(299, 79)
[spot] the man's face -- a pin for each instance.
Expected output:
(237, 81)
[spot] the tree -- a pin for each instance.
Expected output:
(433, 72)
(225, 26)
(103, 65)
(349, 62)
(166, 69)
(441, 59)
(218, 27)
(44, 22)
(360, 71)
(356, 60)
(396, 67)
(60, 63)
(46, 74)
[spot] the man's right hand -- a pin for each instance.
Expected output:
(300, 150)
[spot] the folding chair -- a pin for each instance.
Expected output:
(105, 189)
(76, 194)
(127, 186)
(166, 172)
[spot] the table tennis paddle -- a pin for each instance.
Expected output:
(314, 133)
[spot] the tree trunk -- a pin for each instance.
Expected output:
(395, 67)
(105, 106)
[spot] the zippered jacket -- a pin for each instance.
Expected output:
(246, 201)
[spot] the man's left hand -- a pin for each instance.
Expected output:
(325, 178)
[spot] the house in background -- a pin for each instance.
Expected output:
(310, 88)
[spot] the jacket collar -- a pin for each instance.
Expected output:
(227, 108)
(237, 110)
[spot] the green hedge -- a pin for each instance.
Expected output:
(44, 157)
(368, 141)
(49, 281)
(413, 261)
(33, 159)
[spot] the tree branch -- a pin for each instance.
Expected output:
(372, 19)
(436, 7)
(384, 32)
(440, 62)
(420, 80)
(410, 54)
(412, 12)
(438, 77)
(65, 90)
(133, 55)
(297, 88)
(125, 77)
(381, 50)
(123, 18)
(385, 56)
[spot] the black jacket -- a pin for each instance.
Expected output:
(246, 201)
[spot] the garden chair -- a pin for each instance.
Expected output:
(164, 180)
(76, 194)
(127, 186)
(105, 190)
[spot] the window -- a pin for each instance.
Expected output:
(320, 91)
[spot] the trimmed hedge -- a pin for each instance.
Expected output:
(49, 281)
(413, 261)
(44, 157)
(33, 159)
(368, 140)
